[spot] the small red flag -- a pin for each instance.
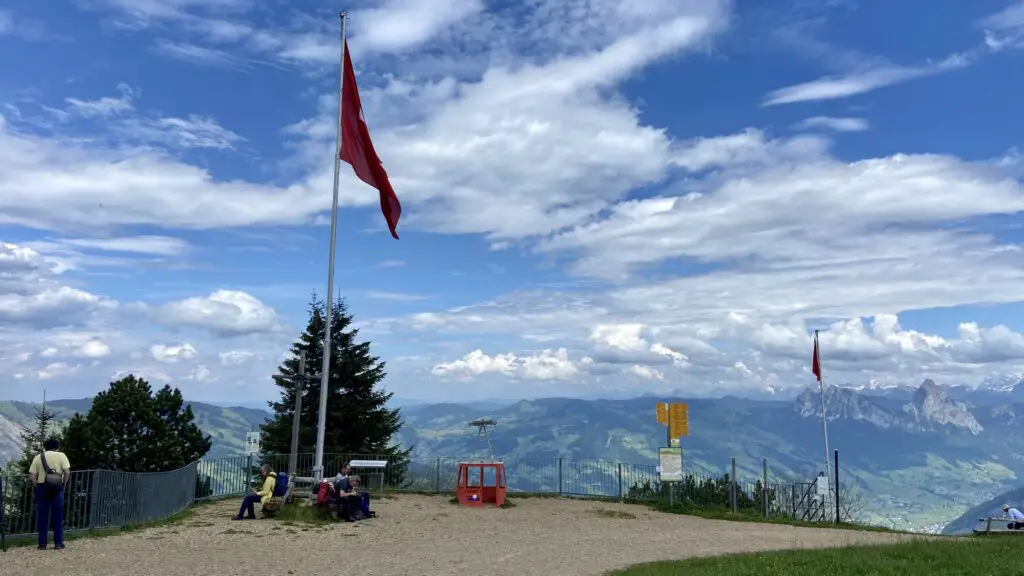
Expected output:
(816, 362)
(357, 149)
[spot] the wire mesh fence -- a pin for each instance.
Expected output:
(96, 499)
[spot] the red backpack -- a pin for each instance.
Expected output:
(323, 493)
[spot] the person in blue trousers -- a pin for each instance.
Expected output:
(50, 472)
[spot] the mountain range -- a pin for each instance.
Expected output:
(918, 456)
(227, 425)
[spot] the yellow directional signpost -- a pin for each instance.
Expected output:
(675, 417)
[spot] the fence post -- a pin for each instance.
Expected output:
(3, 505)
(299, 385)
(437, 476)
(732, 486)
(560, 476)
(792, 501)
(94, 493)
(836, 469)
(620, 480)
(764, 485)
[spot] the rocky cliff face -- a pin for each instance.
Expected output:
(845, 404)
(932, 408)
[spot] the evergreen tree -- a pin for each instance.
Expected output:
(129, 429)
(32, 438)
(358, 419)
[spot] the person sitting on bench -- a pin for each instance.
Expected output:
(263, 495)
(1016, 518)
(350, 499)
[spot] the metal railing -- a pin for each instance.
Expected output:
(97, 499)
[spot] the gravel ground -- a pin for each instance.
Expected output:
(425, 536)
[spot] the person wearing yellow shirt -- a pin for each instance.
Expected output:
(50, 472)
(263, 495)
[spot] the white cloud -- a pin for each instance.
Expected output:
(56, 370)
(859, 82)
(399, 296)
(173, 353)
(105, 106)
(831, 123)
(235, 357)
(93, 348)
(77, 345)
(31, 294)
(223, 312)
(646, 372)
(545, 365)
(193, 54)
(403, 24)
(1004, 29)
(156, 245)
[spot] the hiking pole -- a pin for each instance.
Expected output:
(3, 532)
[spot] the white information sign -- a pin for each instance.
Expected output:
(253, 442)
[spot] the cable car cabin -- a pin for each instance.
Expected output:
(481, 483)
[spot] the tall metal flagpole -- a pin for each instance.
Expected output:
(325, 371)
(824, 418)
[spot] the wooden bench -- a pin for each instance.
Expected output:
(274, 505)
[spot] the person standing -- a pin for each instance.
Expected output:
(50, 472)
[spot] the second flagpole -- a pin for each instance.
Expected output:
(824, 419)
(325, 371)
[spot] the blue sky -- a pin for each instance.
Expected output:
(600, 196)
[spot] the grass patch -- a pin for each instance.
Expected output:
(179, 518)
(718, 513)
(948, 557)
(301, 513)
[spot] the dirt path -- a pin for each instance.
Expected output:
(425, 536)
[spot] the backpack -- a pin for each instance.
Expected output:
(281, 487)
(53, 481)
(323, 493)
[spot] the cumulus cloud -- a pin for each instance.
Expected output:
(545, 365)
(165, 353)
(32, 295)
(78, 341)
(223, 311)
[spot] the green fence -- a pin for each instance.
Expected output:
(97, 499)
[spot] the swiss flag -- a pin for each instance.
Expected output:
(357, 149)
(816, 361)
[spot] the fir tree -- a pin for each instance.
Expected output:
(128, 428)
(358, 418)
(32, 438)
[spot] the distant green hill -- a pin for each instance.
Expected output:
(227, 426)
